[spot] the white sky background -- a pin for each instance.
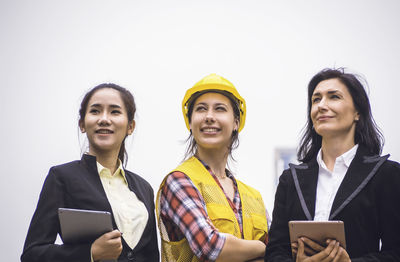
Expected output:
(52, 52)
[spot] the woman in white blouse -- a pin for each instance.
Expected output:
(342, 177)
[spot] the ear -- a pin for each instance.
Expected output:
(81, 126)
(131, 127)
(236, 124)
(190, 127)
(357, 117)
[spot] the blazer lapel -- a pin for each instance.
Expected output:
(89, 162)
(305, 177)
(361, 170)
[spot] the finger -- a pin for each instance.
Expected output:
(309, 251)
(294, 247)
(323, 255)
(312, 244)
(334, 251)
(113, 234)
(114, 242)
(338, 255)
(300, 249)
(330, 251)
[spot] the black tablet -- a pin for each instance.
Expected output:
(79, 225)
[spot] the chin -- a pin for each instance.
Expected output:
(324, 130)
(216, 146)
(105, 147)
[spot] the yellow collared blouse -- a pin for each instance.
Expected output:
(129, 212)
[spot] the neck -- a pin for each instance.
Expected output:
(107, 159)
(334, 147)
(215, 159)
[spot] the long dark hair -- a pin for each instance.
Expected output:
(367, 132)
(191, 142)
(129, 103)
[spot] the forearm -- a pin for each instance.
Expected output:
(236, 249)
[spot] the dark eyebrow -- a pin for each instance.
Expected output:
(329, 92)
(100, 105)
(216, 104)
(333, 92)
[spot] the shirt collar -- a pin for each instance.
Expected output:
(119, 170)
(227, 172)
(349, 155)
(346, 157)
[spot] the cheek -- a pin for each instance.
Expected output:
(195, 119)
(87, 124)
(313, 113)
(124, 125)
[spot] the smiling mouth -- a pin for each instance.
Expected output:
(104, 131)
(322, 118)
(210, 130)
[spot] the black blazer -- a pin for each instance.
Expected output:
(77, 185)
(368, 201)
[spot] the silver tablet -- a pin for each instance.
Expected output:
(318, 231)
(79, 225)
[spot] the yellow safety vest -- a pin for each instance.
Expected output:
(254, 218)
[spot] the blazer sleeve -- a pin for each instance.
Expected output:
(44, 227)
(153, 251)
(387, 197)
(278, 248)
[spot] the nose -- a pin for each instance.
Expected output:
(322, 104)
(104, 119)
(210, 116)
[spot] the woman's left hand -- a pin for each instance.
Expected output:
(342, 255)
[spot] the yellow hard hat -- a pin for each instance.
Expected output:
(214, 82)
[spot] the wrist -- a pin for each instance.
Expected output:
(92, 256)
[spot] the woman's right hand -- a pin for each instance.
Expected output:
(107, 246)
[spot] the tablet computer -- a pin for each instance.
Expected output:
(318, 231)
(79, 225)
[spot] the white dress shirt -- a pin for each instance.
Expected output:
(329, 182)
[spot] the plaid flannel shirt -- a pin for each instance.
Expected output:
(183, 211)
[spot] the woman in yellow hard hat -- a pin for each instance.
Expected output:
(204, 213)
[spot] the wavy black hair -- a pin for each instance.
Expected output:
(367, 132)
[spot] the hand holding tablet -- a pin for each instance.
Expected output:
(79, 226)
(318, 231)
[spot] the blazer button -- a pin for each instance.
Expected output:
(130, 256)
